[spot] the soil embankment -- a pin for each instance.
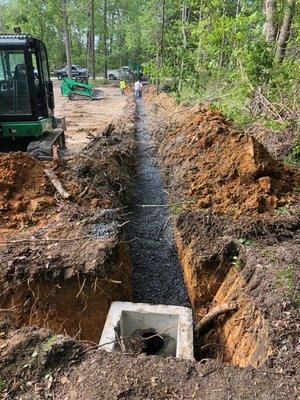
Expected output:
(64, 262)
(233, 201)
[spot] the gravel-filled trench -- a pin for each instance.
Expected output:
(156, 273)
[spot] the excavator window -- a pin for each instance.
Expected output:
(14, 93)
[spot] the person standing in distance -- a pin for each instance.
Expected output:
(138, 89)
(122, 87)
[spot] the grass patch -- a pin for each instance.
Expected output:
(2, 385)
(285, 280)
(46, 346)
(238, 263)
(282, 211)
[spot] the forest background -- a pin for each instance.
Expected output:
(240, 55)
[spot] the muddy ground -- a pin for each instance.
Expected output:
(234, 213)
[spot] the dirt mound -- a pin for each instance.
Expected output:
(221, 168)
(24, 190)
(103, 170)
(36, 364)
(64, 272)
(224, 187)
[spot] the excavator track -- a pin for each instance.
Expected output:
(42, 148)
(96, 95)
(75, 97)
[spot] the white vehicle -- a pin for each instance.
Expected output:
(123, 72)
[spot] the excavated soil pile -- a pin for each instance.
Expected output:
(64, 271)
(24, 190)
(237, 227)
(219, 168)
(35, 364)
(103, 170)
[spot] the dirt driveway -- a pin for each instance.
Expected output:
(85, 118)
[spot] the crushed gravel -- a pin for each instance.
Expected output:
(157, 275)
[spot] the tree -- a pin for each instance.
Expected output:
(270, 23)
(93, 39)
(67, 38)
(105, 39)
(285, 29)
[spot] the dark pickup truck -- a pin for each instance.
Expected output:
(76, 71)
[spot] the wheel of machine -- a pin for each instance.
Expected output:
(111, 77)
(59, 76)
(72, 96)
(61, 141)
(81, 79)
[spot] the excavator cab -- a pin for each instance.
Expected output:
(26, 96)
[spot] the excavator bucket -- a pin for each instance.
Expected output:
(97, 94)
(79, 91)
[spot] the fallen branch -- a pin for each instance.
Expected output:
(57, 184)
(83, 192)
(214, 313)
(134, 339)
(108, 130)
(45, 240)
(7, 309)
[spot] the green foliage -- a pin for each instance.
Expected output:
(46, 346)
(275, 125)
(213, 51)
(176, 208)
(244, 242)
(2, 385)
(238, 263)
(285, 279)
(282, 211)
(293, 158)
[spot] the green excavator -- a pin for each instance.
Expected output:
(75, 90)
(26, 97)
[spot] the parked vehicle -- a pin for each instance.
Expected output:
(76, 71)
(123, 72)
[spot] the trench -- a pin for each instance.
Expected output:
(156, 272)
(164, 271)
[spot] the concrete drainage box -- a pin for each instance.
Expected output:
(162, 330)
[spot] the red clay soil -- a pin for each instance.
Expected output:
(68, 263)
(214, 166)
(233, 203)
(24, 190)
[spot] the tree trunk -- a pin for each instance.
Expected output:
(2, 19)
(162, 38)
(184, 20)
(285, 29)
(88, 49)
(270, 23)
(160, 51)
(67, 39)
(93, 40)
(223, 45)
(105, 39)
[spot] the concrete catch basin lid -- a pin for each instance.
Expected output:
(163, 330)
